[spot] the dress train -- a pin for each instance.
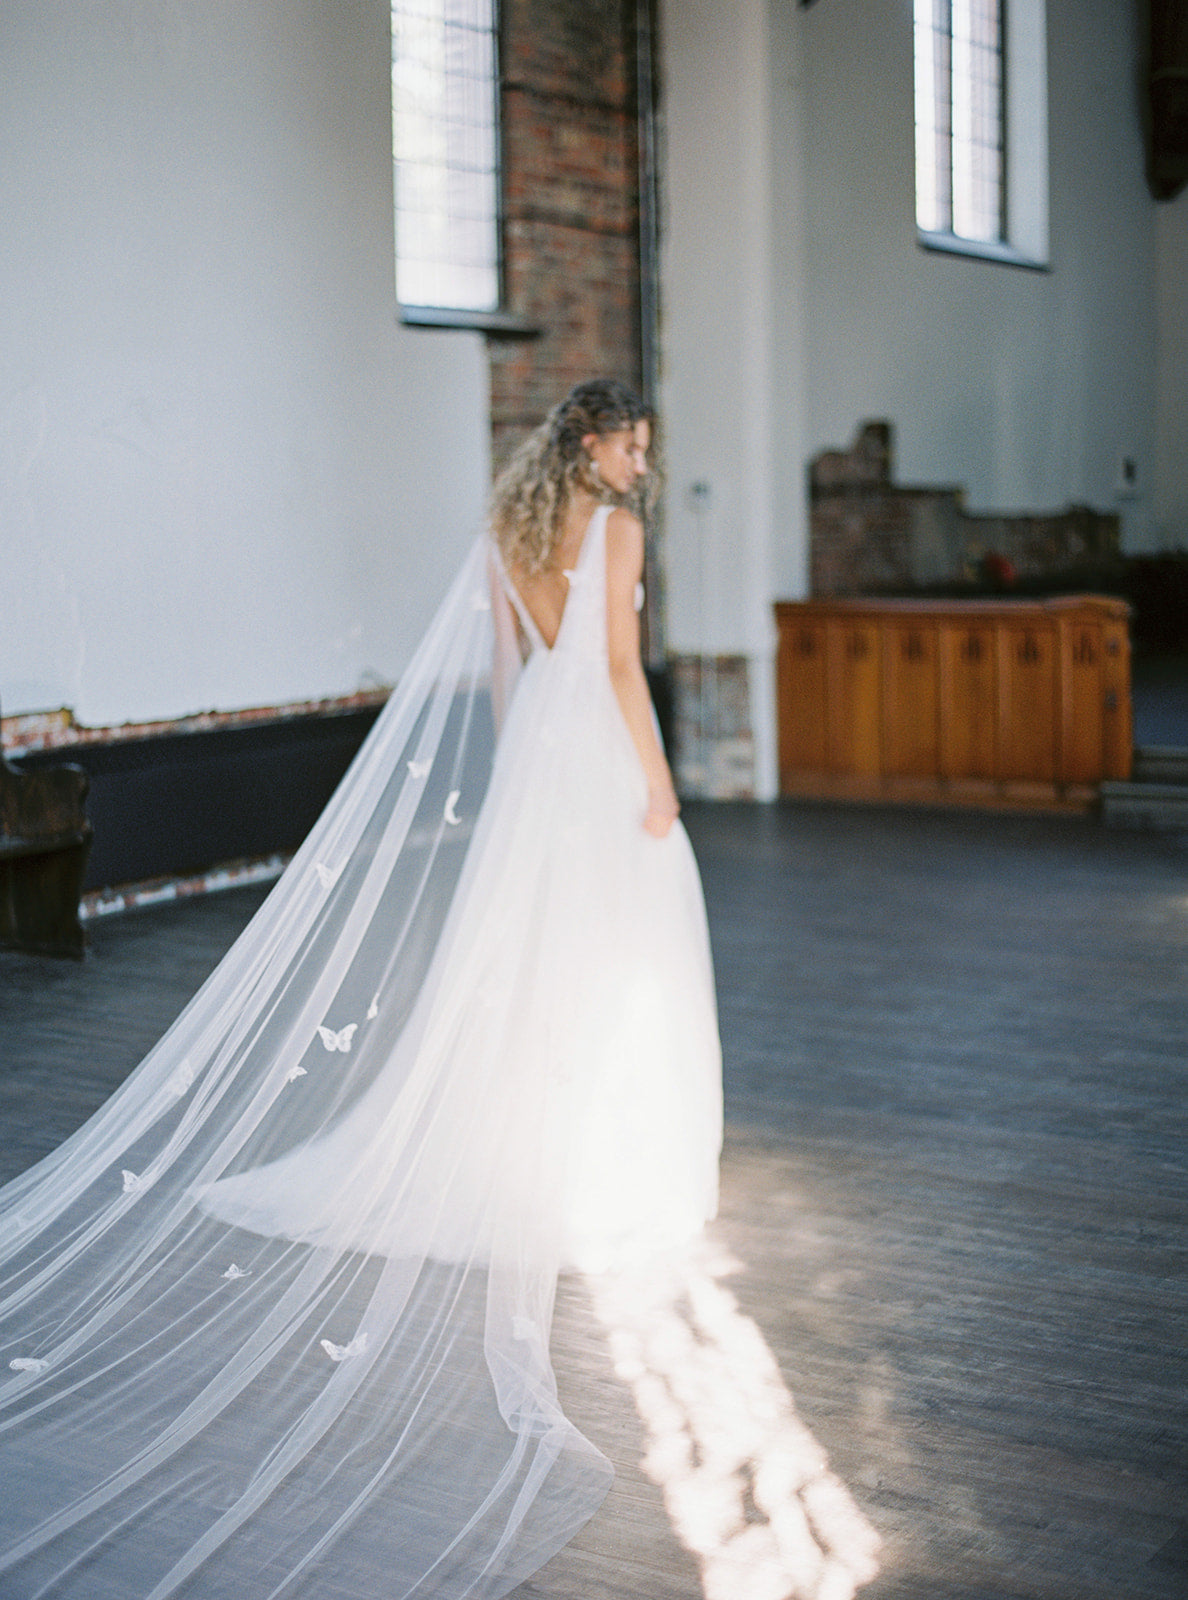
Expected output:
(277, 1317)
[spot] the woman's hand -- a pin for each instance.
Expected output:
(663, 810)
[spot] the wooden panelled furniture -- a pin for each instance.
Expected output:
(980, 702)
(44, 840)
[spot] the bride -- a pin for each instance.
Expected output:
(277, 1317)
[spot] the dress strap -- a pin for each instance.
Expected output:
(593, 548)
(514, 599)
(595, 538)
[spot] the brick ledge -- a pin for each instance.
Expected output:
(54, 730)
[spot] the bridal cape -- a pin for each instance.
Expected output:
(277, 1316)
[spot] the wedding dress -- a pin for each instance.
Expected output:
(277, 1317)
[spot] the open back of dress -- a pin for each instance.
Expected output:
(279, 1313)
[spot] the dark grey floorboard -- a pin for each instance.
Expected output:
(954, 1192)
(957, 1054)
(1159, 695)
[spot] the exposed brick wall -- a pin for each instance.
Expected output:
(870, 535)
(571, 199)
(713, 751)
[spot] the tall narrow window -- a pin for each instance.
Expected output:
(445, 136)
(960, 135)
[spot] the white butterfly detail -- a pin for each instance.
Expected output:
(340, 1040)
(373, 1010)
(419, 769)
(234, 1272)
(27, 1364)
(133, 1182)
(450, 814)
(480, 602)
(342, 1352)
(327, 876)
(294, 1073)
(181, 1080)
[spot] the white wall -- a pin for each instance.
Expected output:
(717, 318)
(797, 301)
(1171, 456)
(1027, 387)
(731, 338)
(227, 477)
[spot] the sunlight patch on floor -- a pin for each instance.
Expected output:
(746, 1485)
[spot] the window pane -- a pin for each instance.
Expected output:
(959, 118)
(933, 60)
(445, 141)
(977, 120)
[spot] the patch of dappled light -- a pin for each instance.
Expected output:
(746, 1485)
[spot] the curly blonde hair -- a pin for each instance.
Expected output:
(534, 490)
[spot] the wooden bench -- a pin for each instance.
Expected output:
(44, 840)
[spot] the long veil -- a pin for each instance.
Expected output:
(202, 1393)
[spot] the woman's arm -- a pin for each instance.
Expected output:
(624, 570)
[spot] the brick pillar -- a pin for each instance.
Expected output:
(571, 206)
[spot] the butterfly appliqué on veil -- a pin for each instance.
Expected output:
(342, 1352)
(340, 1040)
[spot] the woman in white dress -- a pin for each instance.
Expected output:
(647, 1133)
(277, 1318)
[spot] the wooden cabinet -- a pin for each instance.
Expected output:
(983, 702)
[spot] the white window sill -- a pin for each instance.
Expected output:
(500, 324)
(981, 249)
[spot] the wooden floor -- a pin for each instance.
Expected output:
(944, 1307)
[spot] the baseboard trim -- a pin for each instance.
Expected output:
(169, 807)
(162, 891)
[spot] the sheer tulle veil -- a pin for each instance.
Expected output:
(277, 1317)
(192, 1407)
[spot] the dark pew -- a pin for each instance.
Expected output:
(44, 840)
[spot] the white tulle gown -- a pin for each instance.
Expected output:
(469, 1040)
(576, 968)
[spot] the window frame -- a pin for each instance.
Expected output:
(1024, 122)
(493, 319)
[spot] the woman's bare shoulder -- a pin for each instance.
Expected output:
(624, 543)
